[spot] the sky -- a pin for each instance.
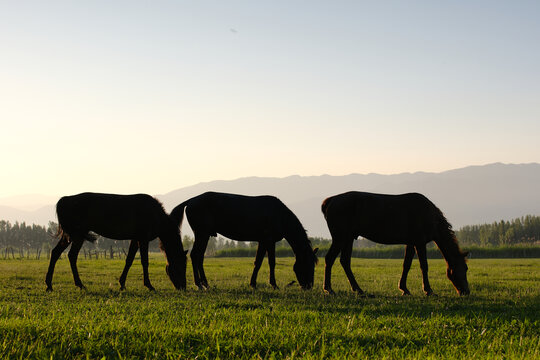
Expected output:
(138, 96)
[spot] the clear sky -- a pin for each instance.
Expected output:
(150, 96)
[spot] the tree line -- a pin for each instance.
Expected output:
(524, 230)
(21, 236)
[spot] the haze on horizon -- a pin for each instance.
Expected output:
(134, 96)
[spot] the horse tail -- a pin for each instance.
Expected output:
(61, 234)
(177, 214)
(324, 206)
(64, 229)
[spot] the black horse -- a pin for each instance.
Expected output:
(247, 218)
(409, 219)
(139, 217)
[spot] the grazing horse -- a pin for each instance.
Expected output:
(139, 217)
(264, 219)
(409, 219)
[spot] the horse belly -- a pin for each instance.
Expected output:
(399, 228)
(125, 226)
(242, 232)
(247, 229)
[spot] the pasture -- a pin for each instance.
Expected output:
(500, 319)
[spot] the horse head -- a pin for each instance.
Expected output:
(176, 270)
(457, 273)
(304, 268)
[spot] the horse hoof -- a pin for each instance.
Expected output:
(405, 293)
(329, 292)
(49, 289)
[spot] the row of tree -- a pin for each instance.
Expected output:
(524, 230)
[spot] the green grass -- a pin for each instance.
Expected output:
(499, 320)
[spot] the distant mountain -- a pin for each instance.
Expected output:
(471, 195)
(41, 216)
(29, 202)
(31, 208)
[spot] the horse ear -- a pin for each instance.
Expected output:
(315, 251)
(465, 254)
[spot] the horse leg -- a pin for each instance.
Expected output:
(202, 275)
(73, 254)
(329, 259)
(345, 260)
(195, 264)
(261, 250)
(409, 255)
(422, 257)
(272, 263)
(143, 251)
(55, 254)
(197, 259)
(133, 247)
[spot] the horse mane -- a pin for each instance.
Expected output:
(294, 225)
(160, 204)
(296, 230)
(169, 221)
(448, 237)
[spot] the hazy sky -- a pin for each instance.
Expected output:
(150, 96)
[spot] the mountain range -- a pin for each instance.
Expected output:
(470, 195)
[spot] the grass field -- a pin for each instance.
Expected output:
(499, 320)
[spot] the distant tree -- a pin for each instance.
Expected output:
(524, 230)
(187, 242)
(211, 248)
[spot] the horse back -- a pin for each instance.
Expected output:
(380, 217)
(239, 217)
(114, 216)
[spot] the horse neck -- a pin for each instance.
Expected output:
(295, 234)
(449, 249)
(168, 243)
(299, 242)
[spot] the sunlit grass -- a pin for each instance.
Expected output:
(499, 320)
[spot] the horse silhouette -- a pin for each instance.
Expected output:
(264, 219)
(139, 218)
(410, 219)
